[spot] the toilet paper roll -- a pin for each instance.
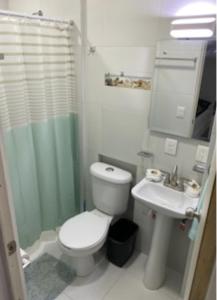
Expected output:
(193, 189)
(153, 174)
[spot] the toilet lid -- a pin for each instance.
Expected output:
(83, 231)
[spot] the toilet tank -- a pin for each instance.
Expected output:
(110, 187)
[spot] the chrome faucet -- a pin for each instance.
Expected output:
(172, 181)
(174, 177)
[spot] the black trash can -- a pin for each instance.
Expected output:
(121, 241)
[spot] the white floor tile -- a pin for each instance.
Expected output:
(62, 296)
(96, 285)
(135, 266)
(131, 286)
(109, 282)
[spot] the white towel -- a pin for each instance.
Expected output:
(25, 258)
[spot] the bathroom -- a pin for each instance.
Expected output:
(107, 73)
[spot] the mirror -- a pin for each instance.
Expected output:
(184, 88)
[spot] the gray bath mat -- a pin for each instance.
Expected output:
(47, 277)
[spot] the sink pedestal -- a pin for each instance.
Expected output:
(155, 268)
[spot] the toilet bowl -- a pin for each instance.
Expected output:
(83, 235)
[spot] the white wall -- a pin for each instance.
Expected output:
(66, 9)
(125, 33)
(4, 4)
(125, 36)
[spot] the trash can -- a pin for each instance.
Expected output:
(121, 241)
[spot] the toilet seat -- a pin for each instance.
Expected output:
(84, 231)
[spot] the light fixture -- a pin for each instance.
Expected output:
(196, 8)
(193, 27)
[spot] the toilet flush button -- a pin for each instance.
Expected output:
(109, 169)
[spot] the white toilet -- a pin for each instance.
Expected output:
(83, 235)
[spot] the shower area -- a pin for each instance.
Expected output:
(39, 122)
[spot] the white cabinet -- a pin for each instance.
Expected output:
(176, 86)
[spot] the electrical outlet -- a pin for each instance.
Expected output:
(202, 154)
(170, 146)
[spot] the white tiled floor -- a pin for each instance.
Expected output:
(109, 282)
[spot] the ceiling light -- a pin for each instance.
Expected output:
(198, 8)
(194, 27)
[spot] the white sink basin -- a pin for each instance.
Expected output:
(169, 205)
(163, 199)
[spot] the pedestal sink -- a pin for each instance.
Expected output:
(169, 205)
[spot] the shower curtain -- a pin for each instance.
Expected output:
(39, 121)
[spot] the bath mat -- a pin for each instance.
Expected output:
(47, 277)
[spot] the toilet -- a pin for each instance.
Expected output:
(83, 235)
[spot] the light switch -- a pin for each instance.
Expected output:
(180, 112)
(202, 153)
(170, 146)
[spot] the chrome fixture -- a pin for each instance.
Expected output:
(192, 213)
(174, 176)
(91, 50)
(172, 181)
(145, 154)
(35, 16)
(201, 168)
(38, 13)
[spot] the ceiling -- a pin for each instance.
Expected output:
(171, 8)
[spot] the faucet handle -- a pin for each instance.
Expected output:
(175, 170)
(166, 176)
(182, 181)
(174, 176)
(185, 180)
(164, 172)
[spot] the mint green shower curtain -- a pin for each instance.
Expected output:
(39, 120)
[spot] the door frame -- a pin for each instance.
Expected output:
(8, 231)
(195, 259)
(207, 253)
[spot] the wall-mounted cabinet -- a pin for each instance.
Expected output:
(177, 107)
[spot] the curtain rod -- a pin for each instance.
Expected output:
(15, 14)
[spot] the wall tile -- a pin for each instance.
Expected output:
(122, 134)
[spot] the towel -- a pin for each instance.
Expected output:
(193, 230)
(25, 258)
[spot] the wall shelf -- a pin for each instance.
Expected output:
(127, 81)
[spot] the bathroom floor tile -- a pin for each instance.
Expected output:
(130, 285)
(129, 288)
(63, 297)
(135, 266)
(109, 282)
(96, 285)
